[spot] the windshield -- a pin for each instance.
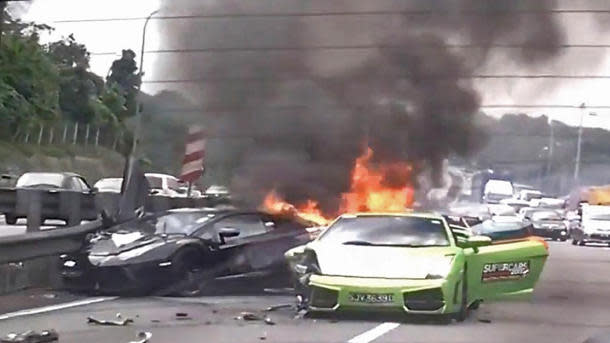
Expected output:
(171, 223)
(546, 216)
(35, 179)
(387, 231)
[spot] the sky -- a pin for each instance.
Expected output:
(110, 37)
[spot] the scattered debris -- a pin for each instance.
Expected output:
(484, 320)
(263, 337)
(49, 296)
(183, 316)
(155, 321)
(208, 322)
(31, 337)
(284, 291)
(248, 316)
(269, 321)
(143, 337)
(119, 322)
(300, 314)
(214, 311)
(277, 307)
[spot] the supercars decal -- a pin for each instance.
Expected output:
(505, 271)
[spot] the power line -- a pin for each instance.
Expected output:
(367, 47)
(354, 107)
(473, 12)
(408, 77)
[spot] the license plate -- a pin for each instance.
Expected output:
(371, 298)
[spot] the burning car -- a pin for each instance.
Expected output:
(184, 251)
(410, 263)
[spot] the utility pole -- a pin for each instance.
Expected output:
(2, 7)
(578, 144)
(549, 165)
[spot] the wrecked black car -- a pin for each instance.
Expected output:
(184, 252)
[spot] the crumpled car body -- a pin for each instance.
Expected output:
(201, 246)
(444, 280)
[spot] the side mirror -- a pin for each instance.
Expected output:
(475, 242)
(227, 232)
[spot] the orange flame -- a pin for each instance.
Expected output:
(309, 211)
(369, 192)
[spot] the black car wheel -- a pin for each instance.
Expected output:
(582, 243)
(187, 276)
(464, 309)
(10, 219)
(574, 241)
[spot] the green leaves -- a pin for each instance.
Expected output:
(51, 82)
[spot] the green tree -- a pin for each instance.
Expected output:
(123, 73)
(80, 90)
(29, 91)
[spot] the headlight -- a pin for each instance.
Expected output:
(138, 251)
(439, 268)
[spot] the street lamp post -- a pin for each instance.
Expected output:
(579, 143)
(136, 136)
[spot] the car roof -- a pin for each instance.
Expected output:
(65, 174)
(160, 175)
(394, 214)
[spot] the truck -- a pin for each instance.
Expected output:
(496, 190)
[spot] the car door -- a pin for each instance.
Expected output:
(506, 269)
(240, 253)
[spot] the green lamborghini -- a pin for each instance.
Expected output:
(410, 263)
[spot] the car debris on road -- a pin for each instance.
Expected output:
(183, 316)
(278, 307)
(31, 337)
(119, 322)
(249, 316)
(143, 337)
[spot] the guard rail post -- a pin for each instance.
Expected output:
(29, 201)
(70, 207)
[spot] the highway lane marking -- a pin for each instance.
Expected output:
(374, 333)
(50, 308)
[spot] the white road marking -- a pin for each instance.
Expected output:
(50, 308)
(374, 333)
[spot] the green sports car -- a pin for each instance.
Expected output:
(410, 263)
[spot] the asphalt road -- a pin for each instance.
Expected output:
(570, 304)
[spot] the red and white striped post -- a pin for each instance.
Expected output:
(192, 164)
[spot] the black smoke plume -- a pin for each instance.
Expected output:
(302, 116)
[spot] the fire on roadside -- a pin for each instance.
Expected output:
(369, 191)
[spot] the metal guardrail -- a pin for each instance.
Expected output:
(73, 207)
(45, 243)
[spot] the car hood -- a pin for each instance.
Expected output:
(113, 243)
(381, 261)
